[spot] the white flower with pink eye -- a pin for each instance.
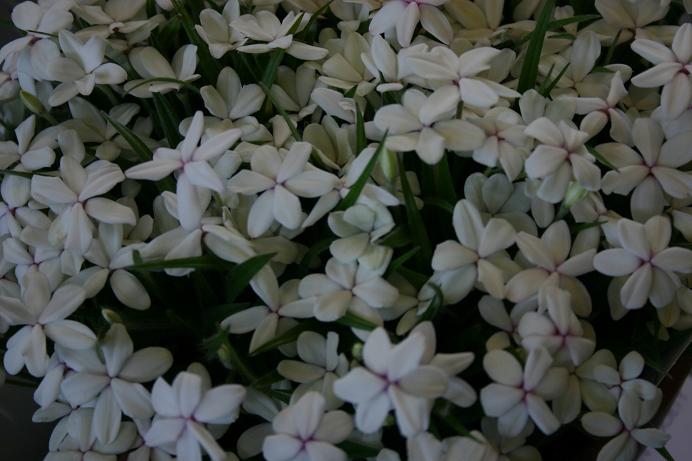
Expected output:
(393, 377)
(672, 69)
(185, 408)
(518, 394)
(403, 16)
(303, 431)
(644, 257)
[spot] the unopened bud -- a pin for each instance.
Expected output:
(31, 102)
(111, 316)
(575, 192)
(388, 164)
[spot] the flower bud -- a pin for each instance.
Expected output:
(111, 316)
(31, 102)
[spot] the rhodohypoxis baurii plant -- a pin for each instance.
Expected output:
(328, 230)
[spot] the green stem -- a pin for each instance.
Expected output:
(665, 454)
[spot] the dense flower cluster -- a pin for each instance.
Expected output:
(328, 230)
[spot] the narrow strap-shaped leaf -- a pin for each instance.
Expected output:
(286, 337)
(529, 69)
(209, 67)
(167, 119)
(549, 85)
(277, 56)
(401, 260)
(601, 158)
(357, 450)
(435, 304)
(355, 321)
(21, 174)
(196, 262)
(559, 23)
(241, 275)
(164, 80)
(414, 219)
(361, 141)
(141, 149)
(665, 454)
(358, 186)
(444, 184)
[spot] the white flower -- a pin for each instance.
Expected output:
(672, 69)
(321, 365)
(404, 16)
(347, 287)
(519, 395)
(303, 431)
(268, 321)
(42, 314)
(42, 17)
(559, 332)
(427, 125)
(117, 17)
(280, 177)
(505, 141)
(393, 376)
(647, 175)
(383, 62)
(610, 380)
(647, 260)
(461, 72)
(183, 410)
(230, 99)
(32, 152)
(555, 265)
(478, 257)
(497, 197)
(600, 109)
(458, 391)
(74, 438)
(627, 430)
(360, 227)
(15, 212)
(150, 65)
(75, 197)
(559, 158)
(215, 29)
(265, 28)
(115, 384)
(345, 68)
(81, 68)
(191, 159)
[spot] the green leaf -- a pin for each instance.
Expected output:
(611, 49)
(401, 260)
(141, 149)
(439, 203)
(164, 79)
(167, 119)
(357, 450)
(601, 158)
(529, 69)
(277, 56)
(549, 85)
(196, 262)
(444, 184)
(362, 180)
(559, 23)
(352, 320)
(286, 337)
(313, 252)
(414, 220)
(665, 454)
(21, 174)
(435, 304)
(241, 275)
(209, 67)
(361, 141)
(314, 17)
